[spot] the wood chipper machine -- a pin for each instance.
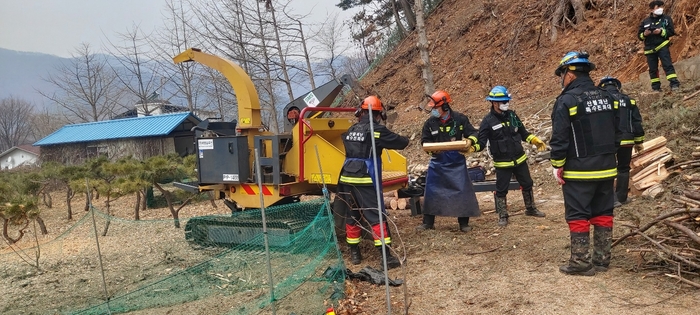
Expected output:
(298, 161)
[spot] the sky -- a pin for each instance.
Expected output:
(57, 27)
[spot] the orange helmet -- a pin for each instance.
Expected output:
(372, 101)
(439, 98)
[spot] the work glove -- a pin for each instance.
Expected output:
(470, 149)
(559, 175)
(638, 147)
(539, 144)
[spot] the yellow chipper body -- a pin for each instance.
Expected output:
(308, 153)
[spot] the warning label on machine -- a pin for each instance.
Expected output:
(205, 144)
(316, 178)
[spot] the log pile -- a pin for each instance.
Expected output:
(393, 202)
(648, 167)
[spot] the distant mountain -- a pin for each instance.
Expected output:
(21, 74)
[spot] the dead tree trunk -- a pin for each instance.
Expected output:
(429, 85)
(169, 201)
(69, 197)
(561, 15)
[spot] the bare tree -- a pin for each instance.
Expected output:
(561, 13)
(429, 85)
(45, 122)
(85, 87)
(305, 51)
(15, 122)
(330, 44)
(140, 77)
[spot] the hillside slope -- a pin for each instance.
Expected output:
(478, 44)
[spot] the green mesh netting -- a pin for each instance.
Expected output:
(152, 267)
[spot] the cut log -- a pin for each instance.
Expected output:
(401, 203)
(690, 201)
(654, 191)
(645, 159)
(652, 179)
(652, 168)
(650, 145)
(394, 204)
(692, 194)
(460, 145)
(392, 194)
(695, 155)
(387, 202)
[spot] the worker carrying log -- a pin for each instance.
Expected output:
(448, 189)
(583, 161)
(504, 131)
(632, 134)
(358, 181)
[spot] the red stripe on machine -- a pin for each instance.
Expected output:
(266, 192)
(248, 189)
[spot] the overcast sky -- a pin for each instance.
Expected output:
(58, 26)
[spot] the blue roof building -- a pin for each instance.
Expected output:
(140, 137)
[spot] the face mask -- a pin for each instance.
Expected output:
(434, 113)
(503, 107)
(659, 11)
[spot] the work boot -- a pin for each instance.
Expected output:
(602, 242)
(355, 254)
(580, 261)
(502, 210)
(530, 209)
(623, 183)
(391, 261)
(464, 224)
(428, 223)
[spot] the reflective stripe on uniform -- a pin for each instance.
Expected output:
(529, 138)
(671, 76)
(376, 134)
(387, 240)
(657, 48)
(654, 80)
(639, 139)
(352, 240)
(558, 163)
(355, 180)
(611, 173)
(510, 163)
(473, 139)
(477, 147)
(573, 111)
(626, 142)
(633, 102)
(616, 104)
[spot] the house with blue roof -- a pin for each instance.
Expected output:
(139, 137)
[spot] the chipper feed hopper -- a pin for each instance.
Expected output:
(288, 160)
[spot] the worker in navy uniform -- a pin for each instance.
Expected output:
(655, 31)
(358, 181)
(448, 189)
(632, 134)
(585, 136)
(504, 131)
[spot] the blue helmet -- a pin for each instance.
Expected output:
(574, 61)
(607, 80)
(499, 93)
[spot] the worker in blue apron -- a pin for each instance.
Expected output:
(448, 189)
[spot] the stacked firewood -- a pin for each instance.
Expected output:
(648, 167)
(393, 202)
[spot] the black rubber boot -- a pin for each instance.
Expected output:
(428, 223)
(391, 261)
(602, 242)
(355, 254)
(464, 224)
(580, 261)
(623, 183)
(502, 210)
(530, 209)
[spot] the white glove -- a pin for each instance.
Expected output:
(559, 175)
